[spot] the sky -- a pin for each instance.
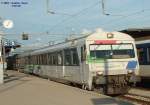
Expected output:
(70, 17)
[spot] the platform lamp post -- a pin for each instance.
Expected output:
(6, 24)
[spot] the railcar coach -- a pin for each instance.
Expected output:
(103, 60)
(143, 49)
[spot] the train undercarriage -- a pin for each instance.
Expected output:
(110, 85)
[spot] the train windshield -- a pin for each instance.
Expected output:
(112, 51)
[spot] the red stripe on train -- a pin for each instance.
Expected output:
(105, 41)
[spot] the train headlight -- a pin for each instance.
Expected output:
(130, 71)
(110, 35)
(99, 73)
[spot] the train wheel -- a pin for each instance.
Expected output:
(83, 86)
(103, 90)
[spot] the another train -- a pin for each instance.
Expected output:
(143, 50)
(104, 60)
(142, 39)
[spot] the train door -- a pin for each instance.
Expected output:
(71, 65)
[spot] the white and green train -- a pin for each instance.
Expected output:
(103, 60)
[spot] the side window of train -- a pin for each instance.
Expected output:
(40, 59)
(44, 59)
(83, 53)
(148, 55)
(54, 58)
(75, 58)
(67, 57)
(60, 59)
(141, 55)
(71, 57)
(50, 59)
(0, 59)
(47, 59)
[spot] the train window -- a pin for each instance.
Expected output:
(67, 57)
(40, 59)
(83, 53)
(74, 54)
(71, 57)
(148, 55)
(117, 51)
(0, 59)
(36, 60)
(49, 59)
(54, 57)
(33, 60)
(59, 55)
(44, 59)
(141, 55)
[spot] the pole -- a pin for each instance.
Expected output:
(1, 59)
(6, 24)
(2, 62)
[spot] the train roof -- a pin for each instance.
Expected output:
(137, 32)
(142, 42)
(80, 40)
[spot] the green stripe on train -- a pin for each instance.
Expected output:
(93, 60)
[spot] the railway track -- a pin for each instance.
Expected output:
(142, 88)
(134, 98)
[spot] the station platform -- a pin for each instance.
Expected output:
(24, 89)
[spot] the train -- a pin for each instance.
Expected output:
(142, 40)
(100, 60)
(143, 51)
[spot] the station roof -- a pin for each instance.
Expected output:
(137, 32)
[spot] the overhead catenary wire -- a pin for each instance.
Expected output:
(50, 11)
(123, 17)
(73, 16)
(137, 24)
(44, 33)
(104, 11)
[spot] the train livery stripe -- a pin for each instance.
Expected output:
(105, 41)
(131, 65)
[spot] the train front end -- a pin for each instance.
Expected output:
(112, 60)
